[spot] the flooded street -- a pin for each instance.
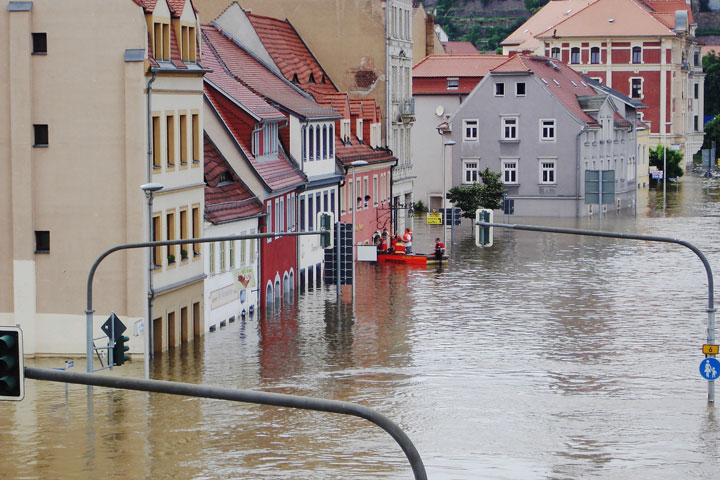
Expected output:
(545, 356)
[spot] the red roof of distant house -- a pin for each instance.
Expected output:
(459, 48)
(457, 65)
(562, 81)
(227, 198)
(278, 173)
(259, 78)
(431, 73)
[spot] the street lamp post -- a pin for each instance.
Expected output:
(356, 163)
(150, 189)
(446, 144)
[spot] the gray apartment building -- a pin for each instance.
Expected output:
(553, 134)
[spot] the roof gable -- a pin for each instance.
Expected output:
(610, 18)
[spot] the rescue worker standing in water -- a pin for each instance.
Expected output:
(407, 240)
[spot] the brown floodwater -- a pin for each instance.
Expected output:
(545, 356)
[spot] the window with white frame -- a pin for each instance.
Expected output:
(595, 55)
(470, 130)
(509, 128)
(510, 171)
(359, 128)
(555, 53)
(269, 220)
(636, 88)
(636, 55)
(499, 89)
(519, 89)
(547, 171)
(547, 130)
(375, 189)
(277, 216)
(453, 83)
(470, 171)
(575, 55)
(345, 130)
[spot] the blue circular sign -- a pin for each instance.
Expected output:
(710, 368)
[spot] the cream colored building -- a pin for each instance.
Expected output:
(73, 154)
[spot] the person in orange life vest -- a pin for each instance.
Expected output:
(380, 244)
(393, 244)
(400, 248)
(439, 249)
(407, 239)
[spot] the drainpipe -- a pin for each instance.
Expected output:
(151, 291)
(393, 211)
(577, 170)
(387, 73)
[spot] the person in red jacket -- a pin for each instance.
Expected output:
(439, 249)
(407, 240)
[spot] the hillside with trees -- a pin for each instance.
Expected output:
(484, 23)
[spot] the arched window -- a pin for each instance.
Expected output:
(331, 134)
(595, 55)
(636, 55)
(555, 53)
(318, 147)
(268, 296)
(277, 291)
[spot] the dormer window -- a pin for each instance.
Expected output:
(225, 178)
(265, 140)
(295, 79)
(188, 46)
(453, 83)
(311, 79)
(161, 41)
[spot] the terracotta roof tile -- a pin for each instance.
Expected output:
(456, 65)
(226, 201)
(562, 81)
(610, 18)
(222, 80)
(288, 51)
(548, 16)
(459, 48)
(278, 173)
(258, 78)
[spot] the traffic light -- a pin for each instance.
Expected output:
(119, 350)
(483, 235)
(12, 364)
(326, 222)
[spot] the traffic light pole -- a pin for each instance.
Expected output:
(245, 396)
(147, 331)
(647, 238)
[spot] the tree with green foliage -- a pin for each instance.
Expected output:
(674, 160)
(711, 67)
(535, 5)
(488, 194)
(712, 133)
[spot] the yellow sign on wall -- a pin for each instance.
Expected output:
(710, 349)
(434, 218)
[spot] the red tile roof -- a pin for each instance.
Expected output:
(222, 80)
(560, 80)
(176, 6)
(456, 65)
(260, 79)
(611, 18)
(226, 201)
(459, 48)
(289, 52)
(278, 173)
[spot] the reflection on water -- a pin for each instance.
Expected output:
(545, 356)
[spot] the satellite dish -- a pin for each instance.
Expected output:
(439, 110)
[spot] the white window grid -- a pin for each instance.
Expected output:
(547, 130)
(470, 171)
(470, 130)
(510, 171)
(547, 171)
(509, 128)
